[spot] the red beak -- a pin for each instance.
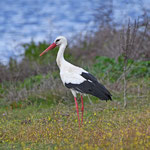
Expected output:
(49, 48)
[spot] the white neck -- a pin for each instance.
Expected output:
(60, 55)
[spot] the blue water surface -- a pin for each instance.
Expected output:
(24, 20)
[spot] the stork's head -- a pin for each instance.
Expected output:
(60, 40)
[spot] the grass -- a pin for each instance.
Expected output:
(39, 113)
(106, 126)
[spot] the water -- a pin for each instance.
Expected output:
(23, 20)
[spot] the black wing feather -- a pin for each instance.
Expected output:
(91, 86)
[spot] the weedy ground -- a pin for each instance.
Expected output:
(38, 113)
(107, 125)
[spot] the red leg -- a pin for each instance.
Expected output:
(77, 110)
(82, 109)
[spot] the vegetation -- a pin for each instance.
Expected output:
(38, 112)
(106, 126)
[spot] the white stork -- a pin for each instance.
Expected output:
(75, 78)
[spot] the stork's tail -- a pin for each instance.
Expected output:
(101, 92)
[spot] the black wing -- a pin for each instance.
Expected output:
(91, 86)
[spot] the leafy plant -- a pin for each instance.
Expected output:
(109, 68)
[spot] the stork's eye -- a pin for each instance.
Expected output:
(57, 40)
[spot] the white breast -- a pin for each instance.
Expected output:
(71, 74)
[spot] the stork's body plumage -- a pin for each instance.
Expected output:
(79, 80)
(75, 78)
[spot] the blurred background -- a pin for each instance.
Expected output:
(114, 36)
(109, 34)
(24, 20)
